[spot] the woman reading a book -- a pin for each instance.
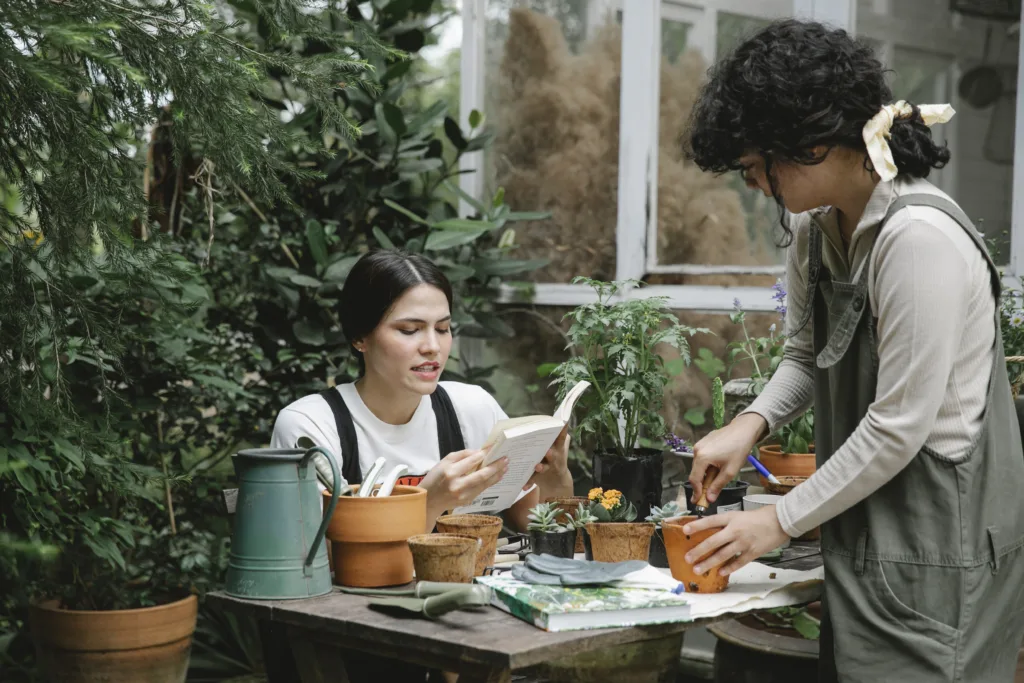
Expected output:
(894, 335)
(395, 311)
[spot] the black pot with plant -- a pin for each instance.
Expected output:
(548, 536)
(618, 344)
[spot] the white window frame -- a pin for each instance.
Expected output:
(638, 137)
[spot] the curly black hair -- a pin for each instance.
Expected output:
(793, 86)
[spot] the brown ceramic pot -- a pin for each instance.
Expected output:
(484, 527)
(677, 544)
(568, 507)
(150, 644)
(785, 464)
(368, 537)
(444, 557)
(620, 541)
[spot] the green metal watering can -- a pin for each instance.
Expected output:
(277, 551)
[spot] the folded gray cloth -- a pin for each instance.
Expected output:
(559, 571)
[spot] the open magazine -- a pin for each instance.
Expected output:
(524, 441)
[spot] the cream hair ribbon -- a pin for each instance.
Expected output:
(876, 130)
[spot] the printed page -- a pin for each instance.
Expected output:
(525, 447)
(564, 411)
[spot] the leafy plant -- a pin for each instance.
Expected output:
(581, 518)
(617, 339)
(660, 514)
(794, 617)
(610, 506)
(542, 518)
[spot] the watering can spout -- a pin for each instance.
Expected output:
(277, 548)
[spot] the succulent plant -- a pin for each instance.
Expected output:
(718, 402)
(542, 518)
(581, 518)
(660, 514)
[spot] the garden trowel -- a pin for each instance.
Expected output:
(431, 599)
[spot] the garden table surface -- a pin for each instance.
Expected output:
(480, 645)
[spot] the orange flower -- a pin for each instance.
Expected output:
(595, 494)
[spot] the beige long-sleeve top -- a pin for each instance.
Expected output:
(929, 287)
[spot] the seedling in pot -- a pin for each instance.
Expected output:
(547, 536)
(542, 518)
(660, 514)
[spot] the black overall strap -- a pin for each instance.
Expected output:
(449, 432)
(346, 435)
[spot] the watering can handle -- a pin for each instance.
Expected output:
(335, 490)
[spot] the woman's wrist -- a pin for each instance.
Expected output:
(753, 424)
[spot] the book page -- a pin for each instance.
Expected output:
(564, 411)
(524, 447)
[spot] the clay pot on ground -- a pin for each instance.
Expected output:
(677, 544)
(368, 537)
(484, 527)
(785, 464)
(150, 644)
(557, 543)
(444, 557)
(568, 506)
(620, 541)
(785, 485)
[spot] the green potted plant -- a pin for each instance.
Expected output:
(657, 556)
(613, 538)
(547, 535)
(617, 340)
(579, 521)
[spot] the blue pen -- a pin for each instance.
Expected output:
(762, 469)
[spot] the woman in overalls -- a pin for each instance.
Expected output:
(893, 336)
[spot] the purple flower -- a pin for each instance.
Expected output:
(737, 305)
(780, 298)
(676, 444)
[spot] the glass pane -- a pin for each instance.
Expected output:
(703, 219)
(552, 102)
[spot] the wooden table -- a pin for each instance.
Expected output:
(480, 645)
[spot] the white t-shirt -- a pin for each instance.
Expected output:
(413, 444)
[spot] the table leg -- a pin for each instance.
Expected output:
(278, 661)
(316, 662)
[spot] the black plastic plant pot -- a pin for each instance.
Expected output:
(638, 477)
(731, 498)
(588, 550)
(657, 556)
(557, 543)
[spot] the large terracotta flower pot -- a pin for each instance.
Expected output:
(785, 464)
(149, 644)
(677, 544)
(568, 507)
(620, 541)
(369, 537)
(484, 527)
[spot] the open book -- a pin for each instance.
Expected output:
(524, 441)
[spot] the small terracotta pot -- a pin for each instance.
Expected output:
(150, 644)
(677, 544)
(444, 557)
(368, 537)
(568, 506)
(785, 464)
(620, 541)
(484, 527)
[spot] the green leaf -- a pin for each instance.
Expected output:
(509, 266)
(457, 272)
(405, 212)
(280, 273)
(695, 416)
(387, 133)
(454, 133)
(308, 333)
(463, 225)
(807, 626)
(675, 366)
(413, 167)
(304, 280)
(446, 239)
(476, 119)
(545, 369)
(465, 196)
(317, 241)
(382, 238)
(527, 216)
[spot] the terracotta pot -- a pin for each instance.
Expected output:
(444, 557)
(620, 541)
(368, 537)
(150, 644)
(785, 464)
(484, 527)
(785, 485)
(568, 506)
(677, 544)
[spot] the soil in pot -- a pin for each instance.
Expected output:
(557, 543)
(785, 464)
(150, 644)
(620, 541)
(568, 506)
(444, 557)
(638, 477)
(677, 544)
(484, 527)
(730, 498)
(368, 537)
(658, 557)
